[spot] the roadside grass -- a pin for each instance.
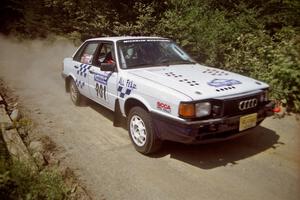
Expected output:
(19, 181)
(51, 180)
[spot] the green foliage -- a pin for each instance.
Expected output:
(274, 59)
(143, 25)
(203, 31)
(286, 68)
(76, 17)
(20, 182)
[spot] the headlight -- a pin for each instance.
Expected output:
(203, 109)
(191, 110)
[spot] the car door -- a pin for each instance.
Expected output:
(103, 84)
(83, 61)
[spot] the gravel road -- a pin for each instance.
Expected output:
(265, 164)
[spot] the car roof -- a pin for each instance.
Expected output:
(114, 39)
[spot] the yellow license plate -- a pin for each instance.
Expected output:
(248, 121)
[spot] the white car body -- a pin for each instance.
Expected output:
(161, 90)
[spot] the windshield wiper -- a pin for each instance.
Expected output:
(140, 65)
(177, 62)
(162, 63)
(185, 62)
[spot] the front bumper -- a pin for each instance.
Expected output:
(204, 131)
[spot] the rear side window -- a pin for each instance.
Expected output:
(86, 53)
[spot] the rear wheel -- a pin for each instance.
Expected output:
(76, 97)
(141, 132)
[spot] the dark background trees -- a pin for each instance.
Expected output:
(259, 38)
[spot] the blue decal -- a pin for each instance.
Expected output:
(80, 84)
(223, 82)
(102, 78)
(82, 70)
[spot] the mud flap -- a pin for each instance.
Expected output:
(117, 115)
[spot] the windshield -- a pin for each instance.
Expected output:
(137, 53)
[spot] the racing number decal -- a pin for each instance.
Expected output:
(101, 91)
(101, 84)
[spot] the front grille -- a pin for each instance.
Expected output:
(231, 106)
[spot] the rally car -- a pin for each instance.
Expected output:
(163, 92)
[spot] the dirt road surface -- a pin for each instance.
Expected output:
(261, 165)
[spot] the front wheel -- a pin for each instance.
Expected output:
(141, 132)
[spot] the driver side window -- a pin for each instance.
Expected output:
(106, 54)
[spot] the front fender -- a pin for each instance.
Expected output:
(134, 97)
(67, 79)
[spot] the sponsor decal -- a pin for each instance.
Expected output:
(102, 78)
(101, 84)
(146, 40)
(125, 87)
(163, 107)
(223, 82)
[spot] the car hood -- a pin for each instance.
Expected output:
(199, 82)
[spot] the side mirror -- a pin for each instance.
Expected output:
(108, 67)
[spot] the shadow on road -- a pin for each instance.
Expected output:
(105, 112)
(209, 156)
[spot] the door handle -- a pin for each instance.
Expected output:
(91, 71)
(76, 67)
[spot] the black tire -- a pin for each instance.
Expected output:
(75, 95)
(151, 143)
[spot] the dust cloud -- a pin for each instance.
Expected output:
(33, 63)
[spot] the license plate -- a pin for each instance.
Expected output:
(248, 121)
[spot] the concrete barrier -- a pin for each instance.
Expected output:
(14, 143)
